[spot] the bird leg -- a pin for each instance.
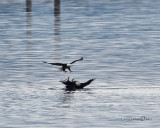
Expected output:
(69, 69)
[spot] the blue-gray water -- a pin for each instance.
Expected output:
(120, 43)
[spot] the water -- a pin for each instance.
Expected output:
(119, 41)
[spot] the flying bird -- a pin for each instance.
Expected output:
(65, 66)
(73, 85)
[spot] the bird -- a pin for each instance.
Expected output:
(73, 85)
(65, 66)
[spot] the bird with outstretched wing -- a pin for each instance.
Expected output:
(73, 85)
(65, 66)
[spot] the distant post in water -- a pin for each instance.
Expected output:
(57, 17)
(56, 7)
(57, 27)
(29, 16)
(28, 5)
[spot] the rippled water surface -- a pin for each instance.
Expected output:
(120, 43)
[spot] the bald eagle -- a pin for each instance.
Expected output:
(65, 66)
(73, 85)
